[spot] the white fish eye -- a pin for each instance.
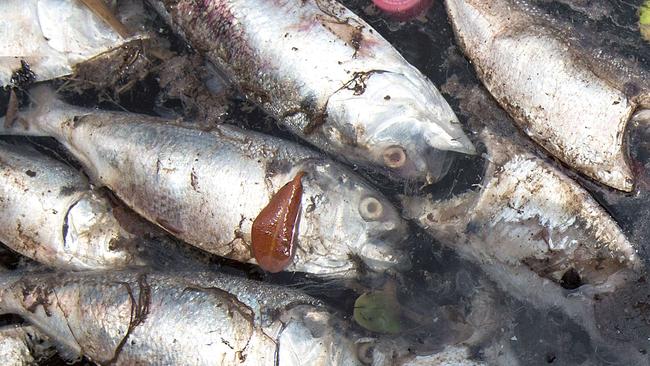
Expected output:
(370, 208)
(394, 156)
(365, 351)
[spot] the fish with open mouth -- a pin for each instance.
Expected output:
(207, 188)
(148, 318)
(329, 78)
(47, 38)
(565, 91)
(49, 213)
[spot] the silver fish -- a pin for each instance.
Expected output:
(528, 216)
(528, 282)
(49, 213)
(206, 188)
(53, 36)
(126, 318)
(329, 78)
(23, 345)
(531, 229)
(575, 106)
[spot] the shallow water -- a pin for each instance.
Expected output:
(441, 293)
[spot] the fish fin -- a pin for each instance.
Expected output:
(44, 117)
(100, 9)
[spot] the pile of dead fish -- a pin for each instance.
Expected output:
(108, 285)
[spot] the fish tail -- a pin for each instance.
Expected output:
(45, 117)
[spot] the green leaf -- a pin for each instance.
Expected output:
(378, 312)
(644, 13)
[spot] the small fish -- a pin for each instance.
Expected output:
(53, 36)
(558, 81)
(23, 345)
(529, 216)
(536, 233)
(207, 188)
(328, 77)
(146, 318)
(274, 229)
(49, 213)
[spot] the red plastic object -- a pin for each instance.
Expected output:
(403, 9)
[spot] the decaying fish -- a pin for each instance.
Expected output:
(135, 317)
(207, 188)
(571, 98)
(329, 78)
(536, 233)
(52, 36)
(529, 216)
(23, 345)
(48, 212)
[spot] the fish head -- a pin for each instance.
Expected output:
(350, 225)
(401, 122)
(314, 336)
(95, 235)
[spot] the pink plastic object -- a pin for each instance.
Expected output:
(403, 9)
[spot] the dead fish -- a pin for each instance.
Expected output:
(137, 317)
(329, 78)
(528, 215)
(23, 345)
(536, 233)
(207, 188)
(49, 213)
(52, 36)
(274, 229)
(573, 101)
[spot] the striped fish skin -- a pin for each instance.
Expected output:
(206, 188)
(329, 78)
(49, 213)
(137, 317)
(573, 101)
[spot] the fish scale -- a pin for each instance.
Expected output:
(575, 107)
(207, 188)
(123, 318)
(325, 75)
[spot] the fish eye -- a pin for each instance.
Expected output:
(365, 351)
(394, 156)
(370, 208)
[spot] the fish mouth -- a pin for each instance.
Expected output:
(463, 145)
(455, 141)
(379, 257)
